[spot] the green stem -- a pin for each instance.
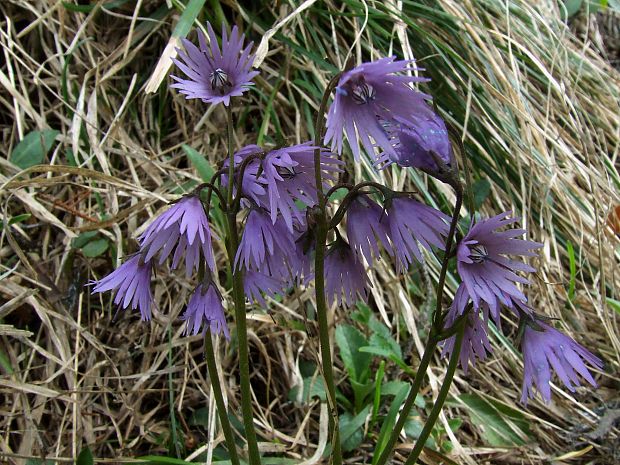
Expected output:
(433, 339)
(219, 399)
(231, 156)
(458, 188)
(239, 302)
(319, 280)
(441, 398)
(429, 349)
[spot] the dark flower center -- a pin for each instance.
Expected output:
(478, 253)
(219, 80)
(363, 93)
(286, 172)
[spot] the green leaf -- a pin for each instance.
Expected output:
(615, 304)
(16, 219)
(413, 427)
(83, 239)
(85, 457)
(349, 340)
(37, 461)
(200, 417)
(482, 189)
(571, 8)
(392, 388)
(205, 170)
(377, 397)
(500, 425)
(362, 314)
(374, 350)
(455, 423)
(189, 15)
(382, 338)
(95, 248)
(88, 8)
(312, 387)
(31, 150)
(573, 270)
(5, 362)
(351, 429)
(390, 421)
(157, 460)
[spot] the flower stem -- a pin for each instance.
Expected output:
(433, 338)
(219, 399)
(441, 398)
(239, 302)
(319, 280)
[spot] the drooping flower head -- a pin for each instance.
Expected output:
(481, 262)
(283, 177)
(215, 75)
(367, 225)
(262, 239)
(345, 276)
(132, 283)
(185, 226)
(205, 310)
(414, 140)
(411, 223)
(475, 345)
(545, 349)
(256, 283)
(288, 176)
(367, 95)
(252, 187)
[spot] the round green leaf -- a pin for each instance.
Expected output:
(31, 150)
(95, 248)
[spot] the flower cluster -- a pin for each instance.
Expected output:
(183, 228)
(490, 279)
(279, 191)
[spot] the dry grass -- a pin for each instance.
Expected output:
(538, 108)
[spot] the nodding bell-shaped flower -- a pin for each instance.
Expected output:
(205, 310)
(184, 228)
(482, 263)
(367, 96)
(545, 349)
(132, 283)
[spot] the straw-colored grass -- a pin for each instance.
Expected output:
(536, 103)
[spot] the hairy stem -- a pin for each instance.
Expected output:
(441, 398)
(319, 273)
(433, 338)
(239, 302)
(219, 399)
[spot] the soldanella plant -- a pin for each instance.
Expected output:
(291, 222)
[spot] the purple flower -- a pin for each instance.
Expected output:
(205, 310)
(410, 223)
(132, 283)
(486, 272)
(545, 349)
(345, 276)
(261, 238)
(367, 224)
(414, 140)
(475, 345)
(288, 176)
(215, 76)
(184, 226)
(252, 187)
(257, 283)
(367, 95)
